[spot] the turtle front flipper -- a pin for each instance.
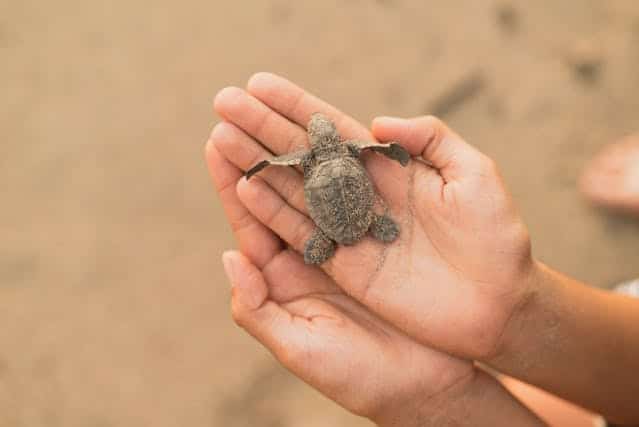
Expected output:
(291, 159)
(318, 248)
(391, 150)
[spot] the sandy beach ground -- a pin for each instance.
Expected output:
(113, 304)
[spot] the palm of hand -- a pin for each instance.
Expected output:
(463, 258)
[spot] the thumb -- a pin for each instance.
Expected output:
(436, 143)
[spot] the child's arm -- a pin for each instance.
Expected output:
(579, 342)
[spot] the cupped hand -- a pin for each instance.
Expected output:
(319, 332)
(462, 264)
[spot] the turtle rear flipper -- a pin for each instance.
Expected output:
(291, 159)
(318, 248)
(391, 150)
(384, 228)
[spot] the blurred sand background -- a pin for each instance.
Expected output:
(113, 304)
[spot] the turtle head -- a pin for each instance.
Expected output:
(322, 132)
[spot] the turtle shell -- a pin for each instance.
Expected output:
(340, 197)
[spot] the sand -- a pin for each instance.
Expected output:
(113, 305)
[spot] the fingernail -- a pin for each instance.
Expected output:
(229, 266)
(216, 130)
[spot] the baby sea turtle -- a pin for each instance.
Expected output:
(338, 192)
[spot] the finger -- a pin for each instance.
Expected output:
(289, 278)
(289, 333)
(430, 138)
(244, 152)
(351, 267)
(254, 239)
(273, 211)
(264, 319)
(297, 105)
(301, 336)
(251, 115)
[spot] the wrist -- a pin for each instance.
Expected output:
(422, 409)
(489, 403)
(564, 338)
(529, 319)
(477, 400)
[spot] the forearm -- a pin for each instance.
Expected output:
(483, 401)
(577, 342)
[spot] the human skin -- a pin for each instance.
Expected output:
(336, 344)
(611, 178)
(461, 278)
(552, 409)
(356, 359)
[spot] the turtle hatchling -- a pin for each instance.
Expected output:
(338, 192)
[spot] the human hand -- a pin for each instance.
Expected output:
(337, 345)
(343, 350)
(462, 264)
(320, 333)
